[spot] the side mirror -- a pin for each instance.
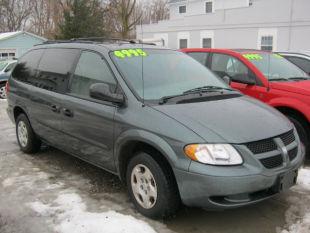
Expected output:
(101, 91)
(243, 78)
(227, 79)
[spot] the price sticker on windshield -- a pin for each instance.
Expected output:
(128, 53)
(253, 56)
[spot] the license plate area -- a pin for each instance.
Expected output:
(286, 180)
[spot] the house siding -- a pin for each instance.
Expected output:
(239, 25)
(20, 43)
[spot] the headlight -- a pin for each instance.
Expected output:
(214, 154)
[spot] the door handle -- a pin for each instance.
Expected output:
(67, 112)
(55, 108)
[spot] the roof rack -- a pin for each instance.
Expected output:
(97, 40)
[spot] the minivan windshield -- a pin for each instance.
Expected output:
(3, 64)
(275, 67)
(165, 72)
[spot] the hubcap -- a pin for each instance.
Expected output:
(2, 92)
(144, 186)
(22, 133)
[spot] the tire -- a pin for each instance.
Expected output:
(27, 140)
(167, 200)
(303, 132)
(2, 91)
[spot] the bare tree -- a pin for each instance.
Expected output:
(154, 11)
(122, 16)
(15, 14)
(45, 17)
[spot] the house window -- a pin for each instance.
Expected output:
(182, 9)
(207, 42)
(267, 43)
(183, 43)
(4, 56)
(209, 7)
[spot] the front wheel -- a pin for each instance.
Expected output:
(2, 91)
(303, 132)
(151, 186)
(27, 140)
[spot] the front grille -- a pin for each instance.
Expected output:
(269, 144)
(293, 153)
(272, 162)
(288, 137)
(262, 146)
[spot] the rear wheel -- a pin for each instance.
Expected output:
(151, 186)
(2, 91)
(27, 140)
(303, 132)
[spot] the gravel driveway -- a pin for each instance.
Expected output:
(55, 192)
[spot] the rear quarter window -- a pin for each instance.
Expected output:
(26, 68)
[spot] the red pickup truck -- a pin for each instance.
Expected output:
(265, 76)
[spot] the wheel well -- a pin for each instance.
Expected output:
(131, 148)
(18, 111)
(292, 112)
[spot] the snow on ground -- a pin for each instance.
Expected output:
(298, 214)
(304, 178)
(65, 210)
(72, 216)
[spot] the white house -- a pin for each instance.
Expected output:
(258, 24)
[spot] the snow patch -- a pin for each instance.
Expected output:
(72, 216)
(301, 226)
(8, 182)
(40, 208)
(304, 178)
(298, 215)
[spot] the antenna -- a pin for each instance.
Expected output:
(142, 57)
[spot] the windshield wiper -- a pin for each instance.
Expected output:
(164, 99)
(198, 90)
(298, 78)
(207, 89)
(278, 79)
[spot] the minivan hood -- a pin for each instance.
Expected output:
(235, 120)
(300, 87)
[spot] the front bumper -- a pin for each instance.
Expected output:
(220, 187)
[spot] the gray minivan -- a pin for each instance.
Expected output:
(161, 121)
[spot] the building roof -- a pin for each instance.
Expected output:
(8, 35)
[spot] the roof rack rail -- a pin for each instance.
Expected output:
(97, 40)
(103, 39)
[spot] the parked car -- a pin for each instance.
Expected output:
(265, 76)
(6, 68)
(302, 60)
(158, 119)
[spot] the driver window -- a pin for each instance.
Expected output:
(227, 65)
(91, 69)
